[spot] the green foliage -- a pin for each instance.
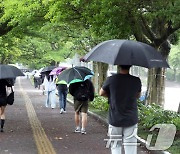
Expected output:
(178, 77)
(170, 75)
(174, 57)
(154, 114)
(100, 103)
(9, 53)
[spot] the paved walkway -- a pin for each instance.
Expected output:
(31, 128)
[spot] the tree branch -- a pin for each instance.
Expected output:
(147, 30)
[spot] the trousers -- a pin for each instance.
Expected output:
(123, 138)
(51, 99)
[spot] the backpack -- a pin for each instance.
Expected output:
(82, 92)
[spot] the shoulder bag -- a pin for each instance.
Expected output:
(10, 97)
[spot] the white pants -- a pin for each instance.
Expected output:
(123, 137)
(51, 99)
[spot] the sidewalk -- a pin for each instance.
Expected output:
(31, 128)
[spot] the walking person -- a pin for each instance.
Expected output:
(3, 102)
(49, 86)
(62, 92)
(83, 92)
(122, 90)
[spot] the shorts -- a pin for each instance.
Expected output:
(3, 101)
(81, 106)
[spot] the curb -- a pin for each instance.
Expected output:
(105, 122)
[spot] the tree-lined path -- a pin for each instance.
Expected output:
(32, 128)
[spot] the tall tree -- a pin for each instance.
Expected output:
(147, 21)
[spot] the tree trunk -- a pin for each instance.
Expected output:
(102, 70)
(100, 75)
(156, 86)
(156, 79)
(95, 77)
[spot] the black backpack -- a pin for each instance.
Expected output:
(81, 92)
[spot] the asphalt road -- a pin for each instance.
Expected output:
(32, 128)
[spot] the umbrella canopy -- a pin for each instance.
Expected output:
(74, 74)
(57, 70)
(126, 52)
(9, 71)
(48, 69)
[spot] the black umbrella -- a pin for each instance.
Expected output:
(126, 52)
(48, 69)
(74, 74)
(9, 71)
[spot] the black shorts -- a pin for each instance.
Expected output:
(81, 106)
(3, 101)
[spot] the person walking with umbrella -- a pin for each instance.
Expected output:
(62, 88)
(123, 90)
(83, 92)
(8, 74)
(49, 86)
(62, 92)
(3, 102)
(82, 89)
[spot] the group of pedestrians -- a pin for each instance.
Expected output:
(50, 86)
(122, 91)
(77, 90)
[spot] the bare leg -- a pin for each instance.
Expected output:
(84, 120)
(2, 110)
(77, 119)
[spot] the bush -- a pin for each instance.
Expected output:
(178, 77)
(170, 75)
(100, 103)
(154, 114)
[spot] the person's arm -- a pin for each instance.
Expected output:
(102, 92)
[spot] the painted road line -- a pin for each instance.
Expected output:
(43, 144)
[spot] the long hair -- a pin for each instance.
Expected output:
(49, 77)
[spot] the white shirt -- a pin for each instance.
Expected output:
(49, 85)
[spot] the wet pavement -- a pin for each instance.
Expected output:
(31, 128)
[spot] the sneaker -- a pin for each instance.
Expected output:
(83, 131)
(2, 130)
(77, 130)
(61, 111)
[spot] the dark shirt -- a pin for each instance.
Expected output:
(122, 90)
(3, 84)
(62, 87)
